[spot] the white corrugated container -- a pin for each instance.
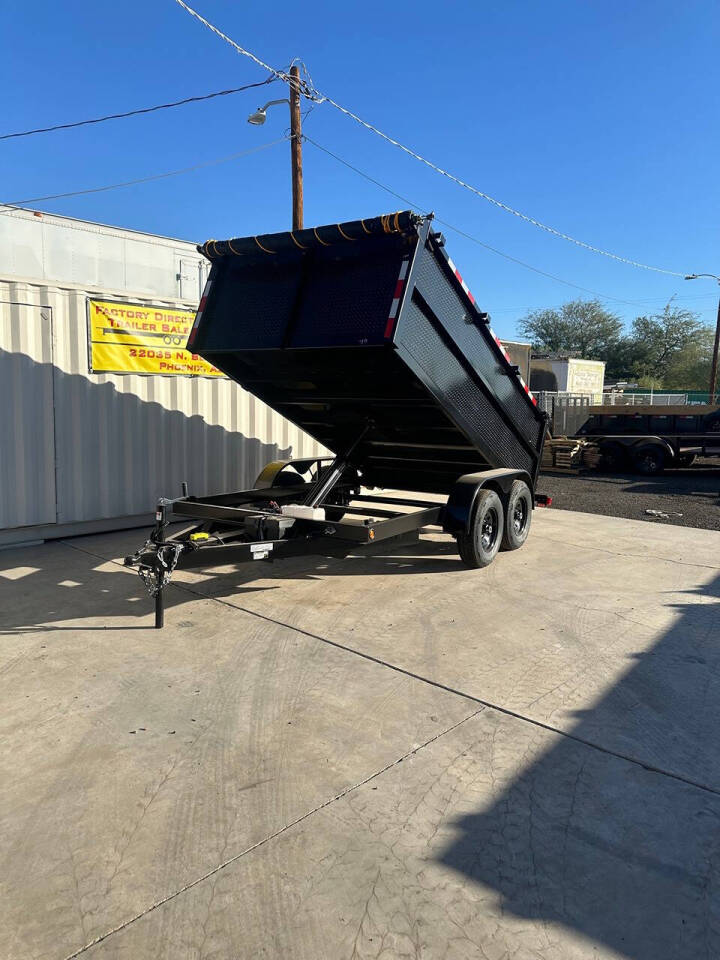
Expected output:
(567, 374)
(82, 451)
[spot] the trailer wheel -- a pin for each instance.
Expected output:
(650, 461)
(479, 547)
(518, 514)
(612, 456)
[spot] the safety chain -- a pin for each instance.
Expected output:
(154, 578)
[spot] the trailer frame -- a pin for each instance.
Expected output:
(222, 530)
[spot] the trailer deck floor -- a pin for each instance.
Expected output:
(382, 756)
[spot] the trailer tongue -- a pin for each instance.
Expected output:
(365, 336)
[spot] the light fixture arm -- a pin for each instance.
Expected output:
(271, 103)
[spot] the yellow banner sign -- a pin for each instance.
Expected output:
(142, 338)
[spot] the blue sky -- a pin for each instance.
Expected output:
(598, 117)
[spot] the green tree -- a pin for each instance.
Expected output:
(621, 359)
(690, 367)
(669, 349)
(582, 328)
(661, 339)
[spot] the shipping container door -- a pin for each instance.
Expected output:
(188, 277)
(27, 444)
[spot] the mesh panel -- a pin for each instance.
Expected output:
(450, 310)
(249, 308)
(347, 302)
(462, 398)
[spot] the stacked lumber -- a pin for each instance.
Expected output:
(561, 453)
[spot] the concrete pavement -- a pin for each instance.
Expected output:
(383, 756)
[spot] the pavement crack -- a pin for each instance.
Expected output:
(272, 836)
(506, 711)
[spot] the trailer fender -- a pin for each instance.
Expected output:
(658, 442)
(458, 513)
(269, 473)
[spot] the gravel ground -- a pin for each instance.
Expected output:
(691, 497)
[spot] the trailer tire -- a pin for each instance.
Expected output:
(612, 456)
(649, 461)
(479, 547)
(518, 514)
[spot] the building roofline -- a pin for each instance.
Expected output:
(41, 214)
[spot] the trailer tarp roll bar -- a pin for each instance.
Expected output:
(404, 222)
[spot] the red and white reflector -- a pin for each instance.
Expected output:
(397, 297)
(200, 311)
(461, 281)
(495, 337)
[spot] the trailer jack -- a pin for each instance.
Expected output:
(156, 560)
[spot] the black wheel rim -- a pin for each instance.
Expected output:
(649, 463)
(519, 516)
(489, 529)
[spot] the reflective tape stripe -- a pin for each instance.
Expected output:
(495, 337)
(200, 311)
(397, 297)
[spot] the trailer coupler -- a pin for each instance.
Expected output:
(155, 564)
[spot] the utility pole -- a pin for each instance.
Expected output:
(296, 153)
(714, 367)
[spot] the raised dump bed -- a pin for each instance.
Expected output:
(370, 321)
(365, 336)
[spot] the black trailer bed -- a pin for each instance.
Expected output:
(368, 325)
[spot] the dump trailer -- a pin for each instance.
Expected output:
(651, 438)
(365, 335)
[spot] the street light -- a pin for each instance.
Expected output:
(258, 118)
(716, 348)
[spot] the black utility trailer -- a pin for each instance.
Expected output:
(365, 336)
(652, 438)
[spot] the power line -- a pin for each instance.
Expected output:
(499, 203)
(135, 113)
(500, 253)
(278, 74)
(462, 233)
(157, 176)
(314, 94)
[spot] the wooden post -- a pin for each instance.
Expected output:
(714, 367)
(296, 150)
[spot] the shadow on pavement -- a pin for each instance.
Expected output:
(56, 586)
(624, 856)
